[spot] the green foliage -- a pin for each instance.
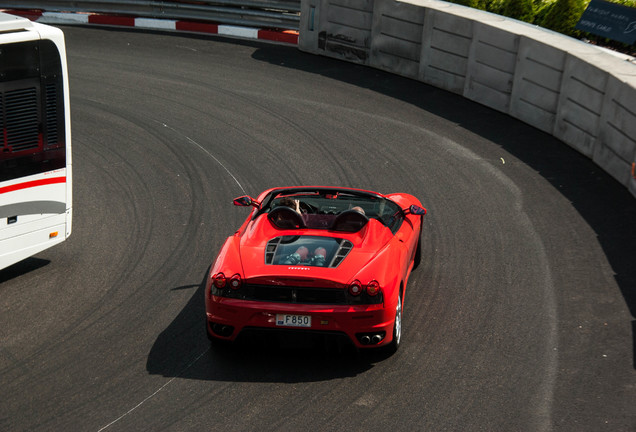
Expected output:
(558, 15)
(497, 6)
(475, 4)
(522, 10)
(494, 6)
(542, 8)
(562, 15)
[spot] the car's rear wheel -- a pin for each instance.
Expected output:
(397, 327)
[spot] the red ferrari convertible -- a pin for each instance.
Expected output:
(317, 260)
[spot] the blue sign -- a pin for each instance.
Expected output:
(609, 20)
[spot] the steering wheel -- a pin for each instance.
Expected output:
(306, 208)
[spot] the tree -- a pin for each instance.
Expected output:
(562, 15)
(522, 10)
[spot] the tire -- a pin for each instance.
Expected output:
(397, 328)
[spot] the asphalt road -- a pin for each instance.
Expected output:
(520, 318)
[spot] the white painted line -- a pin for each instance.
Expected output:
(152, 395)
(206, 152)
(63, 18)
(244, 32)
(152, 23)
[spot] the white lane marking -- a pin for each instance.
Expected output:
(152, 395)
(205, 151)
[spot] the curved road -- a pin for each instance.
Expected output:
(519, 319)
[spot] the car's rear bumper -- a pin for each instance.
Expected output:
(228, 318)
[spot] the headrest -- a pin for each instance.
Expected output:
(349, 221)
(283, 217)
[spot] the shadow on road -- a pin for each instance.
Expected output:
(22, 267)
(183, 350)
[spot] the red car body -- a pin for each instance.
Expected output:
(317, 260)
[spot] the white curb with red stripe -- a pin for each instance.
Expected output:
(284, 36)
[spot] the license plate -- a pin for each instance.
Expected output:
(293, 320)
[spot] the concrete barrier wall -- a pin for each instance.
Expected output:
(579, 93)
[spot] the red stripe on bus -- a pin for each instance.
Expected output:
(34, 183)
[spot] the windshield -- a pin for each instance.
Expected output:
(319, 207)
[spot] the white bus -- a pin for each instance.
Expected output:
(35, 146)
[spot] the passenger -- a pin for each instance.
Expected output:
(359, 209)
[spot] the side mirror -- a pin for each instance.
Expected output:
(417, 210)
(244, 201)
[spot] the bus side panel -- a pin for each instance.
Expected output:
(16, 248)
(33, 215)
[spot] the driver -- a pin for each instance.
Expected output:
(293, 204)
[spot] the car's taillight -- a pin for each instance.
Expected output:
(373, 288)
(219, 280)
(359, 293)
(235, 282)
(355, 288)
(222, 286)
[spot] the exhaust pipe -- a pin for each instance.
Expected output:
(222, 329)
(365, 340)
(376, 339)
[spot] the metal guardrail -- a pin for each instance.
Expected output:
(278, 14)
